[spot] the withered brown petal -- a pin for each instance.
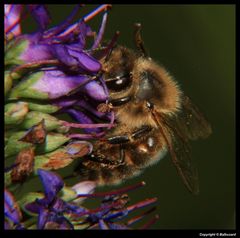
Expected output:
(36, 134)
(25, 163)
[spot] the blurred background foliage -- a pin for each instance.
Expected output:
(196, 43)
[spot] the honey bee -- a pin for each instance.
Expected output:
(153, 116)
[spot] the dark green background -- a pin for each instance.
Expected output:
(196, 43)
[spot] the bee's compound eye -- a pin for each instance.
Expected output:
(119, 83)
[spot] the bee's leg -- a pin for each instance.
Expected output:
(139, 41)
(122, 155)
(121, 139)
(141, 132)
(118, 139)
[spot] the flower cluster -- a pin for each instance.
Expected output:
(50, 73)
(53, 74)
(60, 207)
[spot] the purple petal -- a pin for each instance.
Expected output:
(86, 187)
(58, 84)
(76, 210)
(103, 225)
(75, 147)
(58, 205)
(35, 51)
(12, 14)
(33, 207)
(95, 91)
(11, 208)
(42, 218)
(85, 61)
(52, 183)
(41, 15)
(61, 53)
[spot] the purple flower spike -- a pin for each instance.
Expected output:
(41, 15)
(52, 183)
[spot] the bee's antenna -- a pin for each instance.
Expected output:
(139, 41)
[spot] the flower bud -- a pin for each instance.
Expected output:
(53, 84)
(63, 156)
(45, 108)
(52, 142)
(33, 118)
(8, 82)
(14, 146)
(14, 113)
(24, 88)
(12, 54)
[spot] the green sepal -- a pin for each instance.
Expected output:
(63, 129)
(12, 53)
(34, 117)
(7, 179)
(67, 194)
(8, 82)
(14, 113)
(52, 142)
(24, 89)
(14, 146)
(45, 108)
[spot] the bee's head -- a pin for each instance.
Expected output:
(153, 84)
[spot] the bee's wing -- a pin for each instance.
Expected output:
(191, 121)
(189, 124)
(181, 155)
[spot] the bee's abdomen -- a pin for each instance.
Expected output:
(106, 175)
